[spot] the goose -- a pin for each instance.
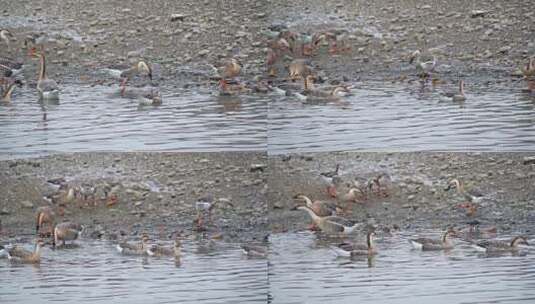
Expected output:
(140, 68)
(472, 195)
(331, 174)
(205, 205)
(230, 68)
(474, 231)
(44, 223)
(66, 231)
(255, 249)
(134, 248)
(459, 97)
(3, 252)
(529, 71)
(354, 195)
(159, 250)
(425, 64)
(300, 68)
(500, 245)
(10, 68)
(18, 254)
(6, 92)
(332, 94)
(353, 250)
(6, 36)
(320, 208)
(47, 88)
(259, 251)
(226, 89)
(147, 95)
(331, 224)
(434, 244)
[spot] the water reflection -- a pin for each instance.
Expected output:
(95, 118)
(405, 117)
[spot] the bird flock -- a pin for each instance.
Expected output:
(327, 219)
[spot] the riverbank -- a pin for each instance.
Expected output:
(138, 192)
(414, 195)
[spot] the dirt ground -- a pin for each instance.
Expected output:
(155, 193)
(415, 189)
(480, 41)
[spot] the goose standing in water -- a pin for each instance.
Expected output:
(300, 68)
(311, 93)
(497, 246)
(140, 68)
(425, 244)
(10, 68)
(20, 255)
(5, 93)
(331, 224)
(47, 88)
(354, 250)
(231, 68)
(425, 64)
(459, 96)
(66, 231)
(256, 250)
(44, 224)
(159, 250)
(134, 248)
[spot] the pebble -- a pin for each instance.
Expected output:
(26, 204)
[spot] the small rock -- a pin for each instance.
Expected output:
(26, 204)
(257, 167)
(177, 17)
(478, 13)
(529, 160)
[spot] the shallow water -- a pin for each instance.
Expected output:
(307, 271)
(96, 272)
(393, 117)
(96, 119)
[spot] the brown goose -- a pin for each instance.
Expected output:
(490, 246)
(66, 231)
(47, 88)
(44, 224)
(425, 244)
(6, 92)
(20, 255)
(320, 208)
(159, 250)
(354, 250)
(134, 248)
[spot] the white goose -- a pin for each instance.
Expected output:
(425, 64)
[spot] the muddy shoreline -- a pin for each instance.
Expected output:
(155, 192)
(483, 43)
(416, 189)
